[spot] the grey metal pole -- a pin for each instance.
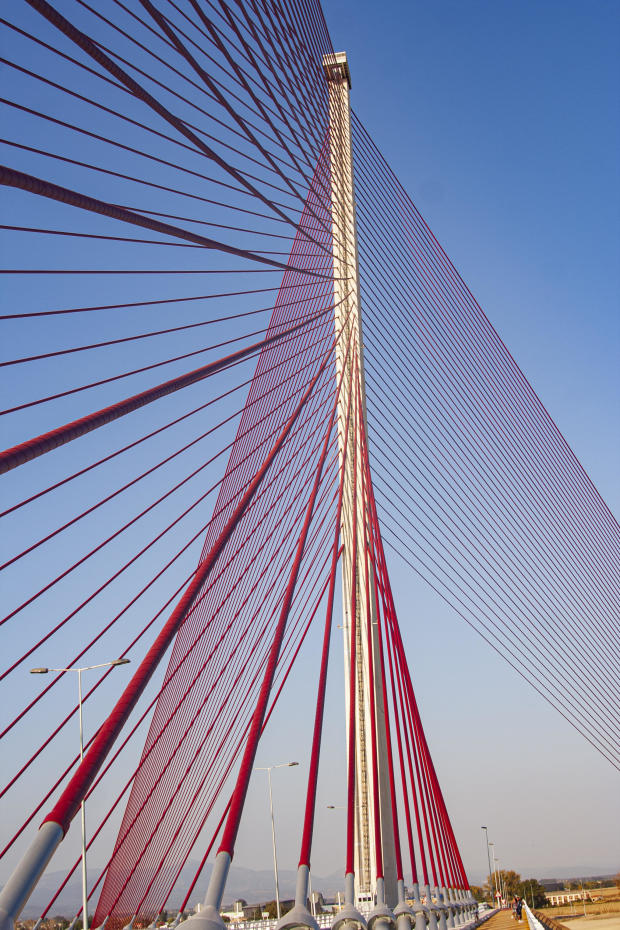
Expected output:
(31, 866)
(83, 814)
(486, 833)
(273, 840)
(497, 877)
(495, 888)
(268, 768)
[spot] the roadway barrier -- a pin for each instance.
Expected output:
(326, 920)
(540, 921)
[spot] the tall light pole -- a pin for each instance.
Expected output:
(83, 668)
(498, 877)
(486, 833)
(268, 768)
(495, 884)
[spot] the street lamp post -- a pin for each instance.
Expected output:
(486, 833)
(500, 886)
(268, 768)
(84, 668)
(494, 872)
(495, 878)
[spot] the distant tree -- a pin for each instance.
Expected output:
(477, 892)
(512, 883)
(489, 888)
(509, 882)
(530, 888)
(272, 908)
(618, 881)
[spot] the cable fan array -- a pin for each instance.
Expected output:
(170, 282)
(485, 500)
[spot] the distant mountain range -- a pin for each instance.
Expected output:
(253, 886)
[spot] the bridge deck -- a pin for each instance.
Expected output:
(504, 920)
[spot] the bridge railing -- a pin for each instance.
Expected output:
(324, 921)
(539, 921)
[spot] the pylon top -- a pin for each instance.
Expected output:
(336, 67)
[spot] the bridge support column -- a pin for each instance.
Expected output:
(299, 916)
(448, 909)
(441, 910)
(405, 917)
(348, 322)
(27, 873)
(421, 913)
(433, 910)
(209, 917)
(349, 918)
(381, 917)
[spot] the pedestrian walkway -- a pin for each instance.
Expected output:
(504, 920)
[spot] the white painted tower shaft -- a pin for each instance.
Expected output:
(348, 323)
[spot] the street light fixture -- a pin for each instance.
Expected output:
(498, 875)
(268, 768)
(495, 880)
(486, 832)
(79, 670)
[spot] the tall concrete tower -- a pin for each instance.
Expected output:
(350, 357)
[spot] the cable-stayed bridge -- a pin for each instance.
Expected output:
(246, 372)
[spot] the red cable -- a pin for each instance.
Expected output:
(350, 835)
(313, 769)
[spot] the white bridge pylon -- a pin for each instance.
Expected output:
(348, 323)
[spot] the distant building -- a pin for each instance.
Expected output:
(567, 897)
(237, 911)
